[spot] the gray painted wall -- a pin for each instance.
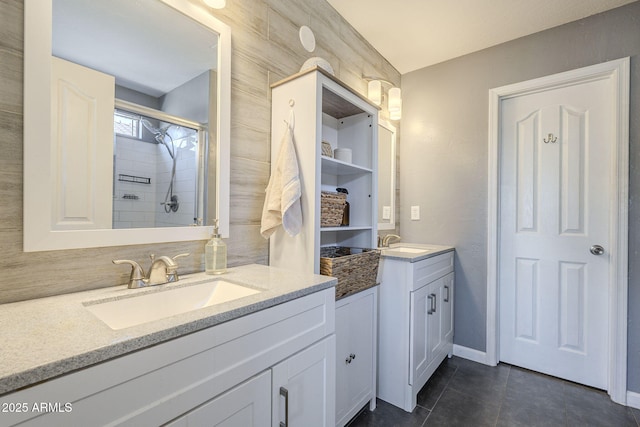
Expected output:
(444, 151)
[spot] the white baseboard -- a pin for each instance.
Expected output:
(633, 399)
(470, 354)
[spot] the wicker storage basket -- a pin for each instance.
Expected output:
(326, 149)
(331, 208)
(355, 268)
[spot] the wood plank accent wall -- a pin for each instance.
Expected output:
(266, 49)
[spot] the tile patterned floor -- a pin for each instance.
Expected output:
(465, 393)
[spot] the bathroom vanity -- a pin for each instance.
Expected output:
(258, 360)
(415, 319)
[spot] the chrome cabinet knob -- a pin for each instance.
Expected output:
(597, 250)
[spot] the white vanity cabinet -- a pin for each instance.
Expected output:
(323, 109)
(416, 325)
(431, 327)
(356, 336)
(230, 374)
(294, 392)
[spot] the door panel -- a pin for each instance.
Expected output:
(362, 364)
(526, 299)
(447, 308)
(554, 204)
(303, 387)
(418, 343)
(572, 306)
(82, 138)
(528, 131)
(434, 335)
(572, 165)
(342, 367)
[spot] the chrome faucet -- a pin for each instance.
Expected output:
(163, 270)
(385, 239)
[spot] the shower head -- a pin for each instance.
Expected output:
(159, 134)
(154, 130)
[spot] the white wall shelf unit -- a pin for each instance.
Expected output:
(326, 110)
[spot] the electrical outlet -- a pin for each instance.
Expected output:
(415, 213)
(386, 212)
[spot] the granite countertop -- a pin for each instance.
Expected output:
(48, 337)
(415, 252)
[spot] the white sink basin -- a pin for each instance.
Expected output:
(135, 310)
(408, 250)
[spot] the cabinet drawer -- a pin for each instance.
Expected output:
(430, 269)
(247, 405)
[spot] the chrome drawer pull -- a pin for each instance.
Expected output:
(285, 393)
(433, 301)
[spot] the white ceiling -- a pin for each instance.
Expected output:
(413, 34)
(146, 45)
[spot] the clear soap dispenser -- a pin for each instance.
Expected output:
(215, 253)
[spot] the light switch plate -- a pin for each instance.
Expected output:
(415, 213)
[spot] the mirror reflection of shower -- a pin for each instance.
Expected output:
(155, 166)
(161, 136)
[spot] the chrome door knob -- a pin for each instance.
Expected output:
(597, 250)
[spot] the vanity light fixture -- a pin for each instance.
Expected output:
(216, 4)
(395, 103)
(374, 91)
(375, 94)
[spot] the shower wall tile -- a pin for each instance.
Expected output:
(266, 49)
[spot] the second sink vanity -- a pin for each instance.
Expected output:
(415, 319)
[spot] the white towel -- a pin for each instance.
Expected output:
(282, 202)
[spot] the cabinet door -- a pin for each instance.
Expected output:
(418, 343)
(434, 335)
(446, 315)
(303, 388)
(247, 405)
(355, 352)
(343, 332)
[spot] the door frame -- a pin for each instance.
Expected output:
(618, 72)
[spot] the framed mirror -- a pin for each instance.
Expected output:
(126, 125)
(386, 175)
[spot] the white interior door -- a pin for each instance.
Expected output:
(82, 103)
(555, 181)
